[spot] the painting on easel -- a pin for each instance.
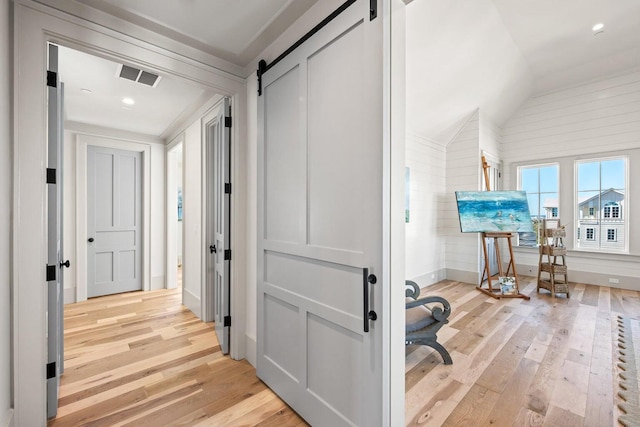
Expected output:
(493, 211)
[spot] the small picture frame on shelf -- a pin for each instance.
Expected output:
(507, 285)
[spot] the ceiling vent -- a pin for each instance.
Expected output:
(137, 75)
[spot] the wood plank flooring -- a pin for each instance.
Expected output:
(543, 362)
(143, 359)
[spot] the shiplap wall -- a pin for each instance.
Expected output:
(463, 174)
(425, 244)
(600, 118)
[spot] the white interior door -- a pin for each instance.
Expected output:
(218, 214)
(114, 217)
(55, 257)
(320, 210)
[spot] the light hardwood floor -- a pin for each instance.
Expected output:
(543, 362)
(143, 359)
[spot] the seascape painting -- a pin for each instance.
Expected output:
(497, 211)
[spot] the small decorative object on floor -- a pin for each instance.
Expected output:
(508, 285)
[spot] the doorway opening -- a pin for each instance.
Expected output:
(175, 213)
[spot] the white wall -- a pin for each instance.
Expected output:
(463, 174)
(424, 242)
(586, 120)
(192, 279)
(6, 73)
(157, 202)
(252, 216)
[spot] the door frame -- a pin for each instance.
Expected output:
(36, 24)
(83, 141)
(172, 211)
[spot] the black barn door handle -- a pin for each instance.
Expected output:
(367, 314)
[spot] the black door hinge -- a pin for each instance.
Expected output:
(227, 254)
(227, 188)
(51, 176)
(51, 370)
(52, 79)
(373, 9)
(51, 273)
(227, 320)
(227, 122)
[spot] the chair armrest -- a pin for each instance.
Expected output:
(412, 290)
(440, 314)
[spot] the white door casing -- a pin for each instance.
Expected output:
(320, 225)
(114, 221)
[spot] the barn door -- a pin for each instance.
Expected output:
(320, 206)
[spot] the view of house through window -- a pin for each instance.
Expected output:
(601, 197)
(541, 184)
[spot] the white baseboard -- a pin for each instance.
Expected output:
(192, 302)
(69, 295)
(588, 278)
(430, 278)
(157, 282)
(251, 349)
(462, 276)
(8, 419)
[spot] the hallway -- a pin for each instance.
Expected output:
(142, 358)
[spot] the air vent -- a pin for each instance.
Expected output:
(136, 75)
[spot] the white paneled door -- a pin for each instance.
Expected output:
(114, 216)
(55, 256)
(320, 224)
(218, 213)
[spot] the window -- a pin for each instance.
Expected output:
(541, 184)
(601, 197)
(578, 233)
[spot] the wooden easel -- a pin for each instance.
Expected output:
(511, 267)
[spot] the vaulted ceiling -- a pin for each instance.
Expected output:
(462, 54)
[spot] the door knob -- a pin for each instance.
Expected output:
(65, 264)
(212, 249)
(90, 240)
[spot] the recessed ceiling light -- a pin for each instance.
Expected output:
(599, 26)
(85, 90)
(128, 101)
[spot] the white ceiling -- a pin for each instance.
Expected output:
(155, 108)
(556, 39)
(461, 55)
(234, 30)
(491, 55)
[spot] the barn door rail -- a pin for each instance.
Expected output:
(263, 67)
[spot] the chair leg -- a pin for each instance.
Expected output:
(443, 352)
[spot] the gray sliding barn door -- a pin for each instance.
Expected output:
(320, 206)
